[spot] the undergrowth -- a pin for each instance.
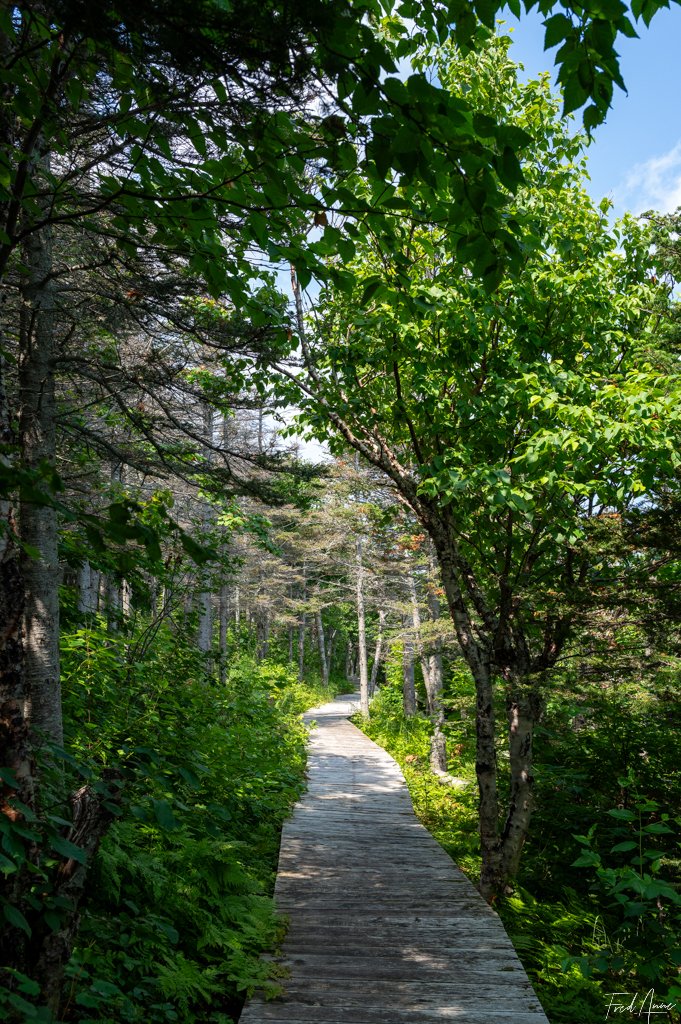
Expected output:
(597, 907)
(180, 895)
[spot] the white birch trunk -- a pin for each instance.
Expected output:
(38, 525)
(126, 599)
(88, 589)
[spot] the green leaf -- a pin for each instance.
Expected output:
(575, 94)
(558, 27)
(14, 917)
(510, 171)
(68, 849)
(587, 860)
(372, 288)
(164, 815)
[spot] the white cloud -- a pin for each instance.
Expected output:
(654, 184)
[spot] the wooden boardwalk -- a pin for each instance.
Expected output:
(383, 927)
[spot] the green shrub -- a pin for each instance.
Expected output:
(179, 905)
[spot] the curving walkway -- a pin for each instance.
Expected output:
(383, 927)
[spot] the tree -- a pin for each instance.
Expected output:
(151, 156)
(507, 421)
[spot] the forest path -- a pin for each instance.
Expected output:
(384, 928)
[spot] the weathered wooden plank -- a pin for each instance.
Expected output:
(302, 1014)
(383, 927)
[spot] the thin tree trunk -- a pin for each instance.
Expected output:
(37, 523)
(16, 749)
(478, 660)
(7, 443)
(90, 823)
(329, 654)
(523, 709)
(434, 686)
(362, 635)
(321, 644)
(126, 599)
(262, 626)
(408, 689)
(416, 622)
(88, 587)
(301, 647)
(431, 667)
(112, 603)
(377, 653)
(224, 622)
(205, 628)
(302, 623)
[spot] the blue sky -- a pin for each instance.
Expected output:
(636, 155)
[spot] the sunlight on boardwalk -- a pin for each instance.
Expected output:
(383, 927)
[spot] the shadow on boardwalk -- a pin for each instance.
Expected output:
(383, 927)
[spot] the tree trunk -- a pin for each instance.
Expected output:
(416, 622)
(491, 876)
(329, 654)
(7, 443)
(91, 820)
(38, 523)
(224, 622)
(126, 599)
(377, 653)
(112, 603)
(262, 626)
(523, 708)
(479, 661)
(431, 668)
(301, 647)
(321, 643)
(204, 638)
(408, 688)
(435, 682)
(83, 584)
(205, 628)
(362, 635)
(88, 589)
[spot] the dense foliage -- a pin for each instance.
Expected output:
(596, 908)
(504, 365)
(181, 905)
